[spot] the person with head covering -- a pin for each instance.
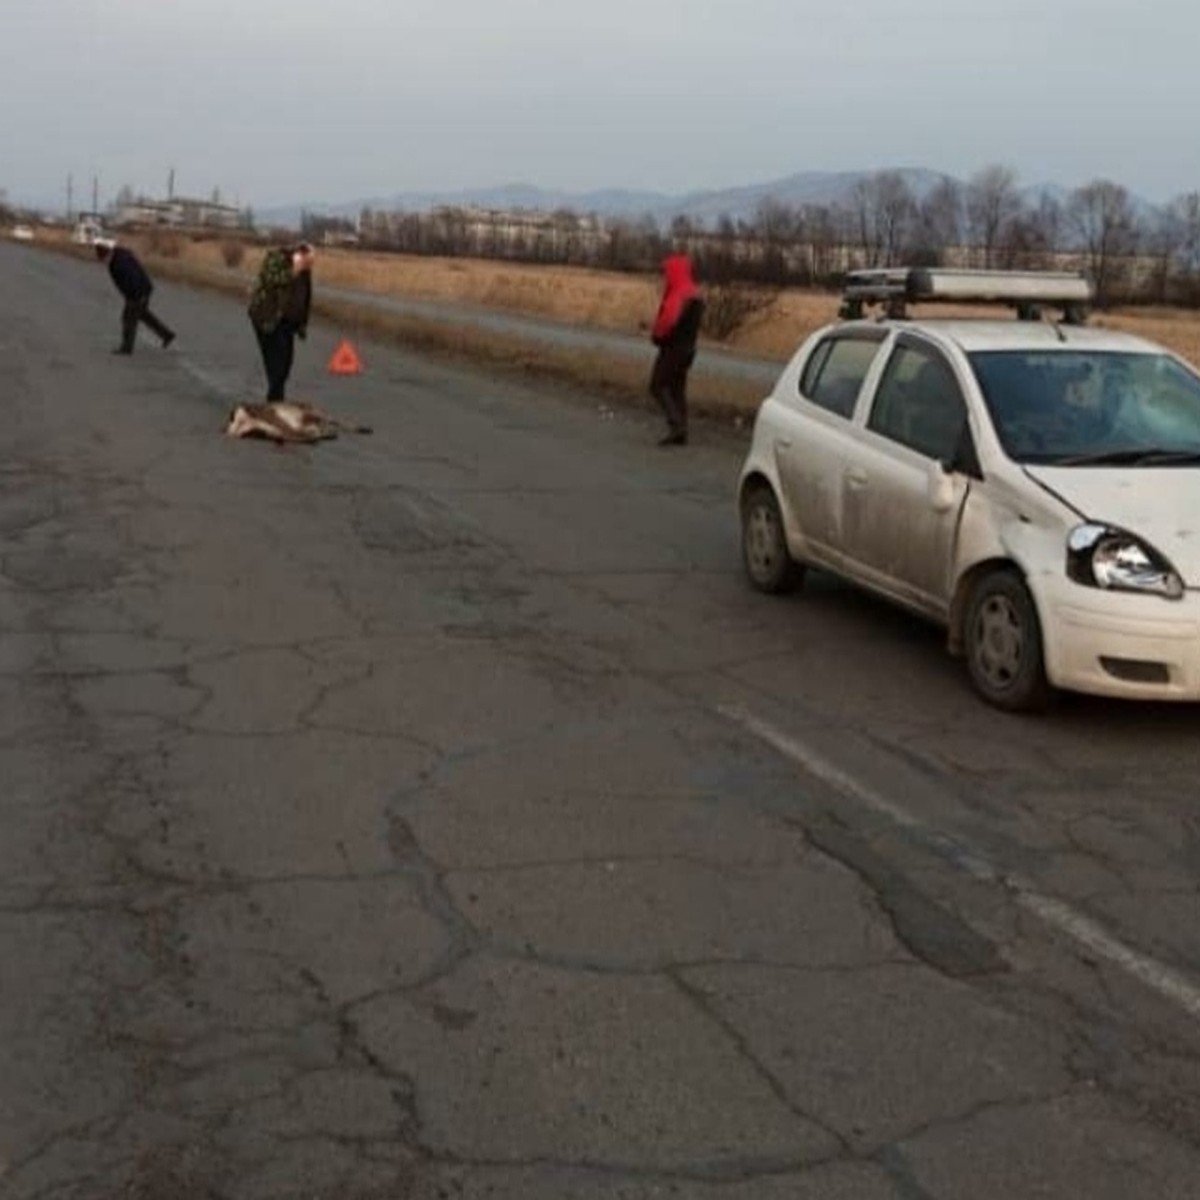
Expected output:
(132, 281)
(676, 328)
(279, 311)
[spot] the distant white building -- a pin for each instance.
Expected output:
(179, 214)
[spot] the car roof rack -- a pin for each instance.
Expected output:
(1029, 292)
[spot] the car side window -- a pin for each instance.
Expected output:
(834, 373)
(919, 403)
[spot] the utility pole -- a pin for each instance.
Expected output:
(95, 195)
(171, 185)
(70, 196)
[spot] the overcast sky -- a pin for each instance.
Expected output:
(280, 101)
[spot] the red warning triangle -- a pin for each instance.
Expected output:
(345, 360)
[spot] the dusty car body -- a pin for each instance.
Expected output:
(1032, 485)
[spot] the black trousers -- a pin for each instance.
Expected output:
(278, 350)
(668, 384)
(137, 309)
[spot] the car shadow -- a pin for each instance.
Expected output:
(888, 638)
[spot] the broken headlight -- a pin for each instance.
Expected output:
(1103, 557)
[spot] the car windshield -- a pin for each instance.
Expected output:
(1091, 408)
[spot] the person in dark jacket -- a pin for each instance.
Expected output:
(135, 285)
(676, 328)
(279, 310)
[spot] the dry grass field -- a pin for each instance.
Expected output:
(615, 301)
(600, 299)
(604, 300)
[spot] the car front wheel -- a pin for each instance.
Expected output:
(1004, 644)
(769, 566)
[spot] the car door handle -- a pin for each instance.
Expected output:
(784, 443)
(857, 479)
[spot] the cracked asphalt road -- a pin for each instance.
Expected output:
(372, 824)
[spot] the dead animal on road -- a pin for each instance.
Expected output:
(287, 421)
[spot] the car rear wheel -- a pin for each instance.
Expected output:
(1004, 644)
(769, 566)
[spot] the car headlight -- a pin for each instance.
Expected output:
(1103, 557)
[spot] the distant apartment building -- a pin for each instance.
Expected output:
(485, 231)
(179, 213)
(507, 230)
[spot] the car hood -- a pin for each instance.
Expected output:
(1159, 504)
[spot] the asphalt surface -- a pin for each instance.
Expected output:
(438, 815)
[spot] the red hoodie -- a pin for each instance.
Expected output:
(680, 288)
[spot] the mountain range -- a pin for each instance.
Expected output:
(805, 187)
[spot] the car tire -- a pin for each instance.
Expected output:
(769, 565)
(1003, 639)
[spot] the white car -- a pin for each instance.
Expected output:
(1033, 485)
(88, 233)
(22, 233)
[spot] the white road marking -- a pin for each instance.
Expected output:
(1158, 976)
(824, 770)
(1057, 914)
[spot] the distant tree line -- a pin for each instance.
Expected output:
(1132, 253)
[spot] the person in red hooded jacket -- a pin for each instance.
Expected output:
(676, 328)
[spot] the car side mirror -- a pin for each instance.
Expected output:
(964, 460)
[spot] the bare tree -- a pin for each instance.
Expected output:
(1185, 212)
(565, 233)
(1161, 236)
(883, 209)
(775, 221)
(938, 228)
(1031, 239)
(775, 230)
(825, 226)
(651, 246)
(721, 255)
(861, 213)
(1047, 220)
(624, 247)
(992, 204)
(1023, 247)
(1101, 217)
(682, 231)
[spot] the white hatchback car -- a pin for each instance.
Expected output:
(1032, 485)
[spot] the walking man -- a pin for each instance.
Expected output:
(675, 331)
(135, 285)
(279, 309)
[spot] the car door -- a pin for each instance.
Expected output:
(813, 434)
(901, 506)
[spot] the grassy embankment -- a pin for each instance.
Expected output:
(604, 300)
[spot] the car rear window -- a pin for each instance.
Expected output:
(834, 374)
